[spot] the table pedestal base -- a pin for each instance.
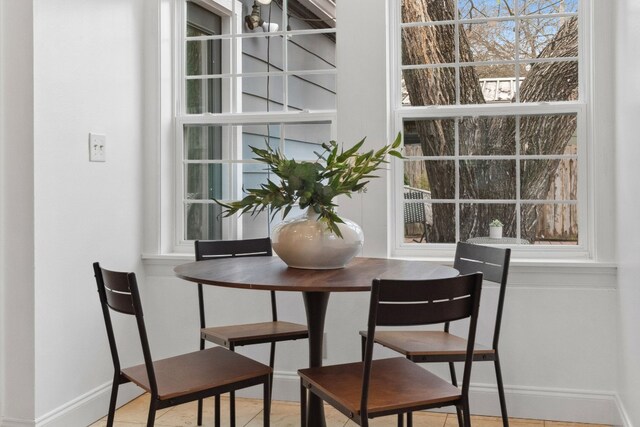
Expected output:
(315, 304)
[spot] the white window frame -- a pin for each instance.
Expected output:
(582, 107)
(232, 13)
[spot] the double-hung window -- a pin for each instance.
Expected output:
(490, 98)
(247, 74)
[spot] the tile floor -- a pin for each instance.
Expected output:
(286, 414)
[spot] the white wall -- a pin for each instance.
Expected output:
(88, 78)
(16, 212)
(628, 153)
(60, 213)
(363, 97)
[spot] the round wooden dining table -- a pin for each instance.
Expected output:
(271, 273)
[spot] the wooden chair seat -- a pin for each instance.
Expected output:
(430, 346)
(214, 369)
(254, 333)
(395, 384)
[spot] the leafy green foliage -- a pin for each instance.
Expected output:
(496, 223)
(313, 184)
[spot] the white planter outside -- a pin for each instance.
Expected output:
(305, 242)
(495, 232)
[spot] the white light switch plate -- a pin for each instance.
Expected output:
(97, 147)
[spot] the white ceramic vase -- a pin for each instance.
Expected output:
(305, 242)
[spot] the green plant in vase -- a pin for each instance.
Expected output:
(313, 184)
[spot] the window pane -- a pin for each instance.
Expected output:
(312, 92)
(487, 179)
(420, 45)
(546, 224)
(430, 137)
(490, 41)
(550, 81)
(302, 140)
(262, 54)
(443, 223)
(477, 217)
(560, 177)
(412, 14)
(422, 90)
(436, 178)
(254, 175)
(257, 90)
(311, 52)
(207, 181)
(496, 82)
(204, 57)
(536, 34)
(548, 134)
(203, 142)
(483, 136)
(470, 9)
(203, 221)
(205, 95)
(257, 135)
(201, 21)
(417, 220)
(530, 7)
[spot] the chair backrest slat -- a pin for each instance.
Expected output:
(118, 291)
(209, 249)
(424, 313)
(415, 290)
(491, 262)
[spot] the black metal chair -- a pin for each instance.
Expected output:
(442, 346)
(178, 379)
(375, 388)
(233, 336)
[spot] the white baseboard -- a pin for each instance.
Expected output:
(13, 422)
(624, 416)
(82, 411)
(582, 406)
(522, 402)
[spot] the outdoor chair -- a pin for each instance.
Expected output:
(415, 213)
